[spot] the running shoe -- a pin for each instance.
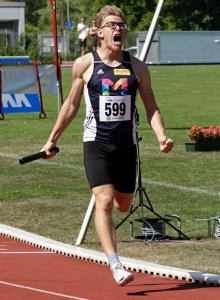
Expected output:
(122, 277)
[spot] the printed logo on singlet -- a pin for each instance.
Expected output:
(100, 72)
(122, 72)
(107, 83)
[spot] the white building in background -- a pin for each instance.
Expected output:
(12, 20)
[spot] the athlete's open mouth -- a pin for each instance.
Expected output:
(117, 39)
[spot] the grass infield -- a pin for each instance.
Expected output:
(51, 198)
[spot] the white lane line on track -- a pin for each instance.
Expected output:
(44, 162)
(41, 291)
(7, 242)
(20, 252)
(3, 249)
(158, 183)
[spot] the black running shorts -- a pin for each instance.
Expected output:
(110, 164)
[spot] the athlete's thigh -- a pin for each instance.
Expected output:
(97, 162)
(124, 177)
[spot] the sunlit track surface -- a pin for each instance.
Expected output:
(100, 258)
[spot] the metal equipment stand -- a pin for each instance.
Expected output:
(142, 193)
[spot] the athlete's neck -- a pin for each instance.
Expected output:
(110, 58)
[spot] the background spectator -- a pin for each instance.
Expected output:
(95, 42)
(83, 30)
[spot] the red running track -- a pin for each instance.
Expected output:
(29, 273)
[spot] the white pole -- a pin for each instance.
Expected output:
(68, 11)
(86, 221)
(151, 31)
(58, 95)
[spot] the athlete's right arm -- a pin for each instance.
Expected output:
(71, 106)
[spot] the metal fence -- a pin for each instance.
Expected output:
(8, 38)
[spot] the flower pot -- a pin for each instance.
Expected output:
(202, 146)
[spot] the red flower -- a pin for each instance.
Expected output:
(200, 134)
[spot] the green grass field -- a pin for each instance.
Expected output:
(51, 198)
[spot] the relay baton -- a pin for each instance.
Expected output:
(36, 156)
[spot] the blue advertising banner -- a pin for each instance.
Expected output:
(20, 103)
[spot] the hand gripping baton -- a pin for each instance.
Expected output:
(36, 156)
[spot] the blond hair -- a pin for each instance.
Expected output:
(109, 11)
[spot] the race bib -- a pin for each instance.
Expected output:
(114, 108)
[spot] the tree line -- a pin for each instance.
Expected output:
(175, 14)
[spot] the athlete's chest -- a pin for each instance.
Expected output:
(112, 92)
(112, 80)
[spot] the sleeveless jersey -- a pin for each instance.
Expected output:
(94, 32)
(111, 103)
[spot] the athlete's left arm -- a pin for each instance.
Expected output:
(154, 116)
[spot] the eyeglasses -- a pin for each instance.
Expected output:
(113, 25)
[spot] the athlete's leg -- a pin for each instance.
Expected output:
(123, 201)
(105, 229)
(105, 197)
(98, 157)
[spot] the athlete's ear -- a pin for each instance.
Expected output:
(99, 33)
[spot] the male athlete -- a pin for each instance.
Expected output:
(110, 79)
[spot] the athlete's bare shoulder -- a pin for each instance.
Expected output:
(81, 65)
(140, 68)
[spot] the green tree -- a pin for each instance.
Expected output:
(175, 14)
(77, 8)
(139, 13)
(32, 10)
(191, 15)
